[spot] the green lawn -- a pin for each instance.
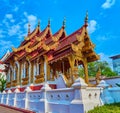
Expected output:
(111, 108)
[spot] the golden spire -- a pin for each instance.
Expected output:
(49, 22)
(38, 23)
(86, 18)
(28, 28)
(64, 22)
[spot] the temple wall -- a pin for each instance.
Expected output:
(109, 94)
(77, 99)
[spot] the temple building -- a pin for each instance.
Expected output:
(43, 55)
(42, 73)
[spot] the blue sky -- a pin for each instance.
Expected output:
(104, 21)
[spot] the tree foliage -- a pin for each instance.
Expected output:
(93, 68)
(2, 82)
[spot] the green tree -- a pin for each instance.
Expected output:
(2, 82)
(93, 68)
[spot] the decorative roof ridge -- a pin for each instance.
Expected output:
(43, 33)
(58, 34)
(39, 39)
(21, 47)
(33, 33)
(11, 54)
(72, 34)
(5, 56)
(27, 39)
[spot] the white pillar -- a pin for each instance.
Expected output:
(27, 90)
(23, 70)
(37, 68)
(8, 76)
(45, 85)
(34, 70)
(14, 74)
(29, 73)
(15, 98)
(45, 71)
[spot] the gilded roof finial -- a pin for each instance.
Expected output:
(28, 28)
(49, 22)
(64, 22)
(86, 18)
(38, 23)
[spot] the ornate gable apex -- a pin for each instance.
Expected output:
(34, 33)
(49, 43)
(32, 44)
(61, 33)
(28, 39)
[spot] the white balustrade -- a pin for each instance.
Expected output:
(59, 100)
(34, 100)
(4, 98)
(79, 98)
(20, 99)
(10, 99)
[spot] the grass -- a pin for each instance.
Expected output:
(109, 108)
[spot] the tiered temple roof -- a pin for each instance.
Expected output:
(55, 45)
(76, 48)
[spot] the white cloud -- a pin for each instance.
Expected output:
(4, 46)
(5, 23)
(108, 4)
(102, 38)
(1, 34)
(14, 30)
(31, 19)
(104, 57)
(92, 26)
(12, 20)
(9, 16)
(15, 9)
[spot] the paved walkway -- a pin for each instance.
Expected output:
(9, 109)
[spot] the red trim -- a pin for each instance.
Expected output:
(36, 87)
(33, 88)
(22, 89)
(13, 89)
(2, 70)
(53, 86)
(6, 91)
(1, 62)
